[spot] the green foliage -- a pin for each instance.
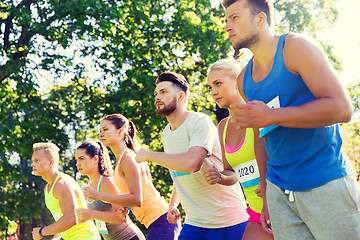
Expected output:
(309, 17)
(23, 114)
(12, 228)
(30, 118)
(351, 144)
(351, 131)
(128, 43)
(354, 93)
(304, 16)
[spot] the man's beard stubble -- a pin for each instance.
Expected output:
(247, 42)
(167, 109)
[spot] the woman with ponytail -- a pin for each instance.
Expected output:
(133, 180)
(92, 160)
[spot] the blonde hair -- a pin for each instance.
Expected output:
(50, 149)
(233, 66)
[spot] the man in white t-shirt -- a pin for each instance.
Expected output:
(190, 140)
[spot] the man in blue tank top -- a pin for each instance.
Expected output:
(295, 99)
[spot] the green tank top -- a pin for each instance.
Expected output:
(82, 231)
(242, 159)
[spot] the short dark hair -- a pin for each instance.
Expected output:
(176, 78)
(256, 6)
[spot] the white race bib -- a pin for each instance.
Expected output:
(275, 103)
(248, 173)
(56, 216)
(101, 227)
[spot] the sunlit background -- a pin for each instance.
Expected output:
(345, 37)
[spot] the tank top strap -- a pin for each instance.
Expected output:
(225, 130)
(52, 187)
(281, 41)
(99, 183)
(279, 50)
(278, 59)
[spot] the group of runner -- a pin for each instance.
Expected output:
(281, 142)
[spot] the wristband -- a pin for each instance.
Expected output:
(40, 232)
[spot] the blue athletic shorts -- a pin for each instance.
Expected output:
(162, 229)
(232, 233)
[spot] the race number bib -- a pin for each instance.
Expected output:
(56, 216)
(275, 103)
(101, 227)
(248, 173)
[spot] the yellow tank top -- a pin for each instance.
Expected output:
(153, 205)
(82, 231)
(242, 160)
